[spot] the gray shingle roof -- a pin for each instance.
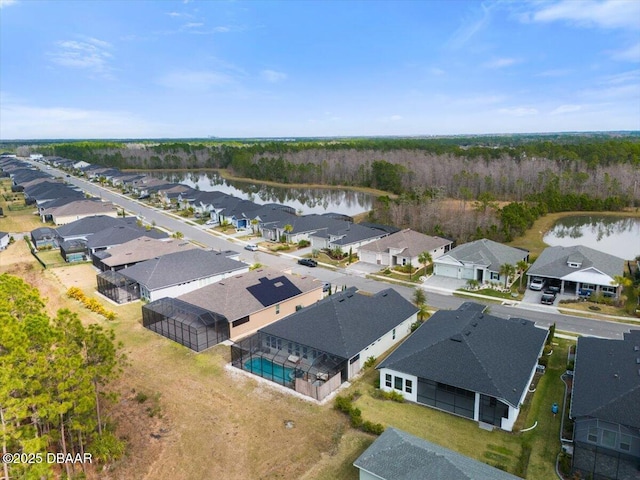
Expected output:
(472, 350)
(91, 225)
(606, 382)
(413, 243)
(397, 455)
(181, 267)
(489, 253)
(119, 234)
(345, 323)
(350, 233)
(552, 262)
(233, 299)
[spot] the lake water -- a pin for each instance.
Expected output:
(619, 236)
(303, 200)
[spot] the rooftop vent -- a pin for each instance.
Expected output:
(467, 333)
(456, 338)
(474, 324)
(636, 348)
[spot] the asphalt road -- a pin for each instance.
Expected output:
(542, 317)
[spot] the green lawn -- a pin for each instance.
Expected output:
(530, 454)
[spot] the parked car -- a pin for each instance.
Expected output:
(326, 286)
(210, 222)
(308, 262)
(537, 284)
(252, 247)
(548, 297)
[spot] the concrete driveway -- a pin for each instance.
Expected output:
(436, 282)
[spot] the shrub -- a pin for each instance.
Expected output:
(544, 361)
(107, 447)
(371, 361)
(370, 427)
(343, 404)
(141, 397)
(304, 243)
(547, 349)
(571, 365)
(394, 395)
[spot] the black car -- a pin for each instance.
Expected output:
(308, 262)
(548, 297)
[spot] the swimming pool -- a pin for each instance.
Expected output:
(266, 369)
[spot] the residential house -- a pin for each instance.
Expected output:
(480, 260)
(468, 363)
(170, 275)
(44, 237)
(403, 248)
(77, 209)
(579, 268)
(605, 408)
(314, 350)
(397, 455)
(231, 308)
(4, 240)
(119, 234)
(345, 236)
(137, 250)
(85, 227)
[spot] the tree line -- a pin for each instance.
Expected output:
(53, 378)
(539, 174)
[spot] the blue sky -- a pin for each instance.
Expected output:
(132, 69)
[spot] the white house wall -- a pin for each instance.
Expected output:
(413, 396)
(384, 343)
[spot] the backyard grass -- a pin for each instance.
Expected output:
(530, 454)
(51, 257)
(22, 218)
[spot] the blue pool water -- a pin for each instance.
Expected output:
(265, 368)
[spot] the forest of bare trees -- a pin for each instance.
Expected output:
(449, 186)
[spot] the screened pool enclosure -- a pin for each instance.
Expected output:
(117, 287)
(187, 324)
(300, 367)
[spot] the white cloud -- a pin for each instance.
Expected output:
(436, 71)
(35, 122)
(272, 76)
(630, 54)
(500, 63)
(518, 111)
(6, 3)
(193, 25)
(194, 80)
(470, 28)
(566, 109)
(91, 54)
(591, 13)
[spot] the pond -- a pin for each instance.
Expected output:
(619, 236)
(303, 200)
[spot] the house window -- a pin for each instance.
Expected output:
(408, 386)
(277, 308)
(593, 434)
(495, 276)
(387, 380)
(398, 383)
(609, 438)
(625, 442)
(394, 334)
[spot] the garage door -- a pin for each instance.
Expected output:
(446, 270)
(467, 273)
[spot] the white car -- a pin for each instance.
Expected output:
(251, 247)
(210, 222)
(537, 284)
